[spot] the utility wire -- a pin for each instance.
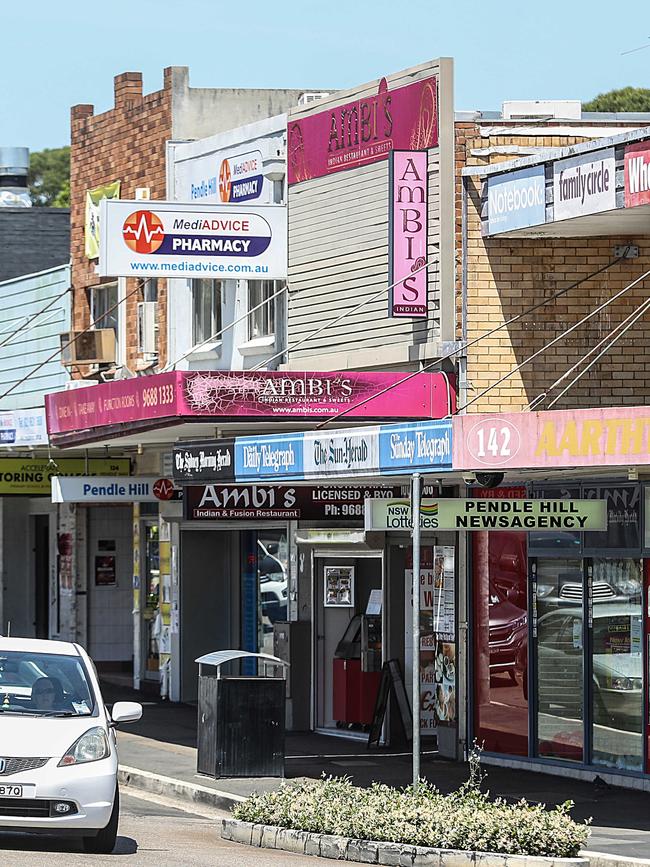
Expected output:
(474, 340)
(555, 340)
(639, 313)
(339, 318)
(610, 334)
(34, 316)
(69, 343)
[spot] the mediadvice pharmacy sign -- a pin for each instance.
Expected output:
(168, 239)
(483, 514)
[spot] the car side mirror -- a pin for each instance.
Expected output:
(126, 711)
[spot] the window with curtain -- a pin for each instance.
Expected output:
(206, 309)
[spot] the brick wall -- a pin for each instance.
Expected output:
(126, 143)
(506, 276)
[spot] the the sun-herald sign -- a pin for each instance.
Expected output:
(167, 239)
(486, 514)
(408, 202)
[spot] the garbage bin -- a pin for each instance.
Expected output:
(241, 719)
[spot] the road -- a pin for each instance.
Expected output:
(152, 833)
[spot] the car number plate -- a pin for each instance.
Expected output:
(17, 791)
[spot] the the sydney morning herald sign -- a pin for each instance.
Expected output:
(168, 239)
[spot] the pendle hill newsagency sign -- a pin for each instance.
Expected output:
(481, 514)
(168, 239)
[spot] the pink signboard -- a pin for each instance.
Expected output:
(563, 438)
(149, 400)
(363, 131)
(637, 174)
(408, 234)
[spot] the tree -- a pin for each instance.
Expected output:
(625, 99)
(49, 177)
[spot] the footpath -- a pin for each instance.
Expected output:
(158, 755)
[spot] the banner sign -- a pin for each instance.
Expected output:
(92, 219)
(31, 477)
(484, 514)
(168, 239)
(556, 438)
(23, 427)
(637, 174)
(269, 457)
(585, 184)
(209, 179)
(204, 462)
(108, 489)
(363, 131)
(516, 200)
(246, 394)
(408, 229)
(281, 502)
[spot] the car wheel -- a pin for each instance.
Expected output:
(104, 841)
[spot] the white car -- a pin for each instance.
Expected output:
(58, 756)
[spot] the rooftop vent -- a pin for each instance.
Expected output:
(14, 168)
(565, 109)
(315, 96)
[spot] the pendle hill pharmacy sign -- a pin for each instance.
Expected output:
(166, 239)
(484, 514)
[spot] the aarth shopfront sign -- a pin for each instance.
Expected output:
(408, 234)
(282, 502)
(144, 402)
(364, 131)
(565, 438)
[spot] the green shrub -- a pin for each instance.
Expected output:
(466, 819)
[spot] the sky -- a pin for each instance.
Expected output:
(57, 53)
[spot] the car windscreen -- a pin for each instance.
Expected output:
(44, 684)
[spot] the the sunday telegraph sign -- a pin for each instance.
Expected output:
(408, 204)
(168, 239)
(489, 514)
(363, 131)
(245, 394)
(555, 439)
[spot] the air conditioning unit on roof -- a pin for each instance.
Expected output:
(89, 347)
(315, 96)
(558, 109)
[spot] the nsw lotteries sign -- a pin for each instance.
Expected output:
(484, 514)
(165, 239)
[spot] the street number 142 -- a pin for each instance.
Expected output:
(498, 442)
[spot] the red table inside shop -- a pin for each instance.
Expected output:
(355, 692)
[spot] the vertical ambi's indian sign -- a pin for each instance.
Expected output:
(164, 239)
(408, 202)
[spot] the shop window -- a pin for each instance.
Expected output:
(261, 322)
(272, 584)
(560, 658)
(617, 665)
(623, 531)
(102, 299)
(206, 310)
(500, 581)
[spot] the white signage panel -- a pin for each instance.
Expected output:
(221, 177)
(110, 489)
(23, 427)
(585, 184)
(355, 452)
(168, 239)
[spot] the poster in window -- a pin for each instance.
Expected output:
(105, 574)
(339, 587)
(623, 518)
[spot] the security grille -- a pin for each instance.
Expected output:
(10, 766)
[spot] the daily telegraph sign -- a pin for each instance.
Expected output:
(167, 239)
(482, 514)
(408, 205)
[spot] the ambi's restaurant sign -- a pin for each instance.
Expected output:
(165, 239)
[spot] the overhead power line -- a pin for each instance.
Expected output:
(475, 340)
(30, 319)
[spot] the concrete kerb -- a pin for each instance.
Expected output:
(392, 854)
(171, 788)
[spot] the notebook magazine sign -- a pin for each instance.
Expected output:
(167, 239)
(408, 225)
